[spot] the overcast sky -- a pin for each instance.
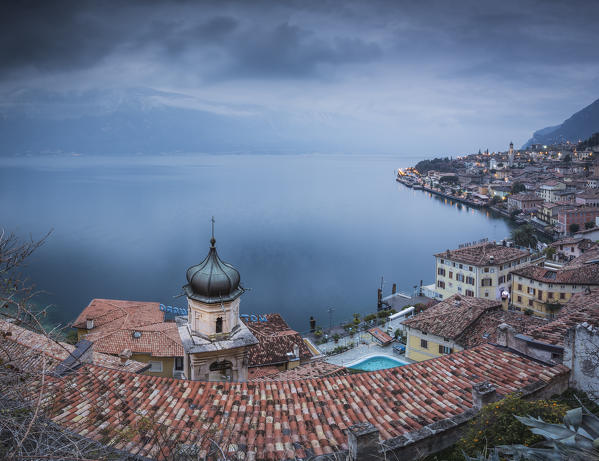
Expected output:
(420, 77)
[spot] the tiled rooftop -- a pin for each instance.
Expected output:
(582, 275)
(469, 321)
(26, 350)
(582, 307)
(280, 419)
(480, 255)
(526, 197)
(588, 257)
(310, 370)
(116, 321)
(275, 340)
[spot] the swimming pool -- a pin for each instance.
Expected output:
(376, 362)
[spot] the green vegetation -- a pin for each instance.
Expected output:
(336, 337)
(574, 228)
(589, 225)
(588, 143)
(549, 252)
(449, 179)
(518, 187)
(496, 425)
(524, 236)
(71, 336)
(438, 164)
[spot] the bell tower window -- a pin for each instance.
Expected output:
(219, 325)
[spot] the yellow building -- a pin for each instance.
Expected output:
(134, 329)
(482, 270)
(543, 290)
(458, 323)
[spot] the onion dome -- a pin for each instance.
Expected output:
(213, 280)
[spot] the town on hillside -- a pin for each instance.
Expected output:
(554, 189)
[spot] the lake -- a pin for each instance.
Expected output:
(306, 232)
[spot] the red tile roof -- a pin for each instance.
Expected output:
(581, 275)
(275, 340)
(380, 335)
(582, 307)
(310, 370)
(280, 419)
(469, 321)
(480, 255)
(25, 350)
(116, 321)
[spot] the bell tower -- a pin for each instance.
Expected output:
(214, 338)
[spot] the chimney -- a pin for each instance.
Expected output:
(363, 442)
(491, 259)
(296, 351)
(125, 355)
(483, 394)
(89, 324)
(506, 335)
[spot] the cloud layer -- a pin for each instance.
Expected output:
(414, 77)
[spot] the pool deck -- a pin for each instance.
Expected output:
(360, 352)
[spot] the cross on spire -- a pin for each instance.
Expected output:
(212, 240)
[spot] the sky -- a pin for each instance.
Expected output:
(412, 77)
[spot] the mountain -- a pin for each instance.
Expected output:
(579, 127)
(147, 121)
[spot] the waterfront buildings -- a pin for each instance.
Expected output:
(526, 202)
(481, 270)
(570, 220)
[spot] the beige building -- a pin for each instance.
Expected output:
(543, 290)
(481, 270)
(214, 338)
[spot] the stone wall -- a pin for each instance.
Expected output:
(581, 355)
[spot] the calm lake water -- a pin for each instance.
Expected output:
(306, 232)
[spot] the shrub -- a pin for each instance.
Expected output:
(496, 425)
(527, 311)
(336, 337)
(369, 317)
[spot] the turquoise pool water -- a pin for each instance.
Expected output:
(379, 362)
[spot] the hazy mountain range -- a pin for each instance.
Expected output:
(578, 127)
(146, 121)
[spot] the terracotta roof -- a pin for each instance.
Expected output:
(314, 369)
(581, 275)
(275, 340)
(526, 197)
(479, 255)
(280, 419)
(135, 325)
(451, 317)
(582, 307)
(472, 322)
(25, 350)
(380, 335)
(588, 257)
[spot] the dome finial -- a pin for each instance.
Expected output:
(212, 240)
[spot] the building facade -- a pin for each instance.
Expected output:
(215, 340)
(481, 270)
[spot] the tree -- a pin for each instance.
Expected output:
(567, 158)
(549, 252)
(574, 228)
(524, 236)
(589, 225)
(518, 187)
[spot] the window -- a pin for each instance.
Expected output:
(179, 363)
(450, 275)
(530, 302)
(519, 287)
(519, 299)
(501, 279)
(550, 295)
(461, 266)
(445, 349)
(442, 261)
(486, 269)
(486, 282)
(470, 268)
(441, 284)
(531, 291)
(509, 276)
(424, 344)
(492, 270)
(441, 271)
(562, 296)
(219, 325)
(459, 277)
(470, 280)
(540, 294)
(156, 367)
(469, 293)
(486, 294)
